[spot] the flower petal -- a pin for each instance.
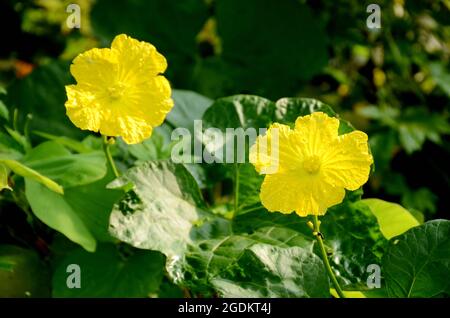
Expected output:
(347, 163)
(317, 131)
(96, 68)
(132, 129)
(137, 59)
(83, 108)
(151, 100)
(306, 196)
(278, 151)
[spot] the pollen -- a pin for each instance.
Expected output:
(312, 164)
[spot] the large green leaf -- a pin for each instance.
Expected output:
(161, 209)
(392, 217)
(214, 253)
(81, 214)
(110, 272)
(258, 271)
(244, 112)
(42, 94)
(189, 106)
(54, 211)
(353, 239)
(56, 162)
(289, 109)
(31, 174)
(417, 263)
(239, 111)
(93, 202)
(154, 148)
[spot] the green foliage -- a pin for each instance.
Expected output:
(160, 210)
(77, 213)
(112, 271)
(198, 229)
(42, 94)
(416, 262)
(189, 106)
(258, 271)
(393, 218)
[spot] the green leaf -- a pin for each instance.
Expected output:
(270, 271)
(160, 210)
(417, 263)
(369, 293)
(54, 211)
(19, 138)
(4, 173)
(418, 124)
(289, 109)
(9, 149)
(392, 217)
(239, 111)
(110, 272)
(441, 76)
(65, 141)
(354, 239)
(189, 106)
(31, 174)
(348, 294)
(383, 145)
(42, 94)
(421, 199)
(4, 112)
(216, 250)
(93, 203)
(56, 162)
(243, 112)
(249, 186)
(411, 137)
(154, 148)
(81, 214)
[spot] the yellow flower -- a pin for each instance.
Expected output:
(120, 91)
(315, 164)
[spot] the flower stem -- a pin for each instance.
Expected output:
(318, 236)
(106, 148)
(236, 189)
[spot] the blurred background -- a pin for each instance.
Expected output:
(392, 82)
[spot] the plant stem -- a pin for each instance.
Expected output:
(236, 189)
(318, 236)
(106, 148)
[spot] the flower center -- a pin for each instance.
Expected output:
(312, 164)
(116, 91)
